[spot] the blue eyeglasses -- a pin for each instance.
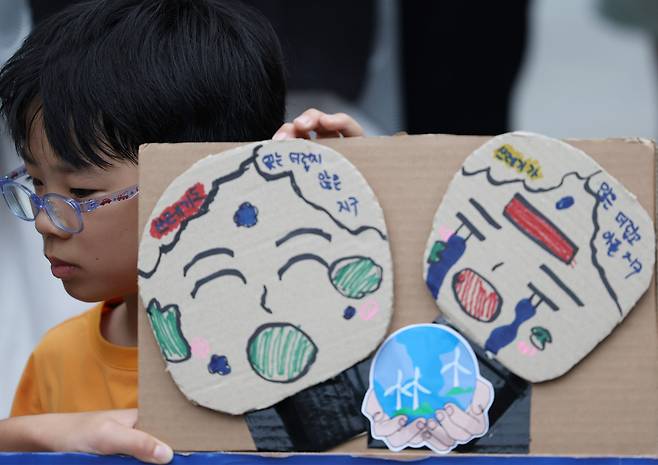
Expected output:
(65, 213)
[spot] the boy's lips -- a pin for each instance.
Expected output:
(60, 268)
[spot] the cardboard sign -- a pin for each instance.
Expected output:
(536, 253)
(586, 412)
(265, 270)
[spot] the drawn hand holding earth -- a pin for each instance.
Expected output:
(425, 390)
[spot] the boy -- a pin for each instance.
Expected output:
(87, 87)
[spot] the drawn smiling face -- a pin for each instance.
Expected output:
(543, 256)
(271, 283)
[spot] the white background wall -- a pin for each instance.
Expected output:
(32, 300)
(584, 77)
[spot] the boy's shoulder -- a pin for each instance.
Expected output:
(71, 334)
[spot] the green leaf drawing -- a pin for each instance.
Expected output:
(435, 253)
(165, 323)
(539, 337)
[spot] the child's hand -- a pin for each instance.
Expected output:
(106, 432)
(324, 125)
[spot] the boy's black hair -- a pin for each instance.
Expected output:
(107, 76)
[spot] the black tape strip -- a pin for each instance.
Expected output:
(509, 414)
(315, 419)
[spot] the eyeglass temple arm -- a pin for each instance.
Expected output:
(93, 204)
(15, 174)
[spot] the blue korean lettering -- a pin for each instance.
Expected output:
(606, 195)
(350, 205)
(272, 161)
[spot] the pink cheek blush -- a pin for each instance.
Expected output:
(445, 233)
(526, 349)
(200, 347)
(368, 309)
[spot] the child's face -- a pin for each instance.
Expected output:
(258, 286)
(103, 256)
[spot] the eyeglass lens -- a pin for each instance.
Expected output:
(18, 201)
(62, 213)
(59, 210)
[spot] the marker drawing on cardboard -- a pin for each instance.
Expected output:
(536, 253)
(425, 390)
(266, 270)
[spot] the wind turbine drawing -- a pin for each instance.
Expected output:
(399, 391)
(456, 368)
(417, 387)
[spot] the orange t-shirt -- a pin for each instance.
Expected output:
(74, 369)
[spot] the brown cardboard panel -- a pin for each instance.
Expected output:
(622, 370)
(606, 405)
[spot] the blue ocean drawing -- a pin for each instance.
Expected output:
(421, 368)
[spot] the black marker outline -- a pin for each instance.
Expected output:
(302, 373)
(300, 231)
(263, 297)
(244, 166)
(543, 298)
(293, 182)
(331, 268)
(499, 307)
(595, 262)
(534, 190)
(207, 253)
(567, 290)
(300, 258)
(485, 214)
(470, 226)
(588, 189)
(167, 308)
(216, 275)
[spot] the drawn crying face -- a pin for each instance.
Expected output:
(265, 270)
(536, 253)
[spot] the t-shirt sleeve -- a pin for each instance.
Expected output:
(27, 400)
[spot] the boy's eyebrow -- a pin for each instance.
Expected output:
(300, 231)
(207, 253)
(65, 168)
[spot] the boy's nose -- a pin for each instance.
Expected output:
(45, 226)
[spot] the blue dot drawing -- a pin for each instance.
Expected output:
(421, 368)
(246, 215)
(349, 312)
(564, 203)
(219, 365)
